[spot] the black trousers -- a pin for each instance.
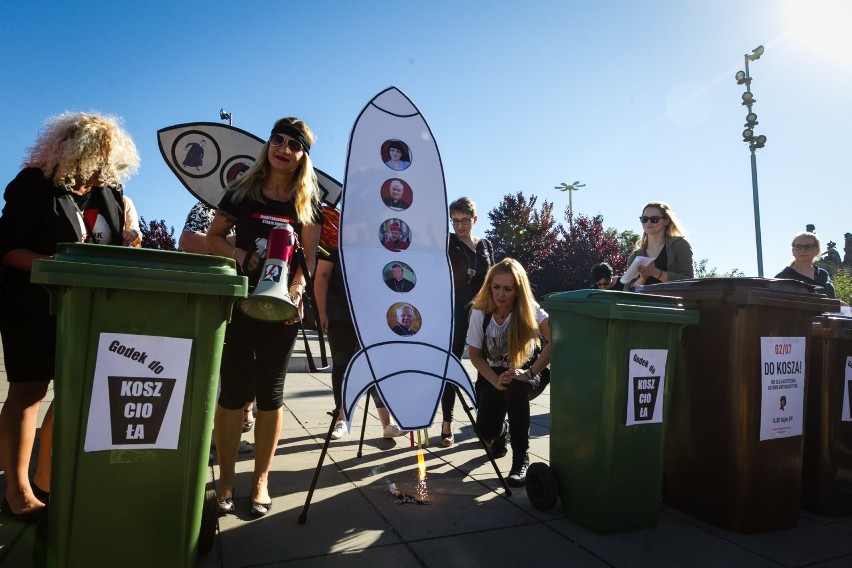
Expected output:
(254, 362)
(448, 398)
(493, 406)
(343, 343)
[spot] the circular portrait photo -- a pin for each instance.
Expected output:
(234, 168)
(397, 194)
(396, 155)
(394, 235)
(399, 277)
(404, 319)
(196, 154)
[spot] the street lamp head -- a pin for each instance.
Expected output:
(748, 134)
(755, 53)
(741, 78)
(760, 141)
(748, 98)
(751, 120)
(224, 115)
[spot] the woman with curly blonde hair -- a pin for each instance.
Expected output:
(508, 340)
(281, 188)
(69, 191)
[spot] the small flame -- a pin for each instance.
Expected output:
(422, 490)
(421, 465)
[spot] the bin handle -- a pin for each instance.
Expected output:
(794, 302)
(638, 312)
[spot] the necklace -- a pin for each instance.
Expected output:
(498, 319)
(471, 267)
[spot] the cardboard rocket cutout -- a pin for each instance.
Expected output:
(394, 212)
(207, 156)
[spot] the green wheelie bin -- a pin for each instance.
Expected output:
(734, 451)
(827, 459)
(612, 374)
(140, 336)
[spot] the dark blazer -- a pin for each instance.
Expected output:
(38, 215)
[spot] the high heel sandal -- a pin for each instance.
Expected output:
(29, 517)
(260, 509)
(225, 506)
(447, 439)
(41, 494)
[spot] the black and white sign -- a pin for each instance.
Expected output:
(647, 382)
(137, 392)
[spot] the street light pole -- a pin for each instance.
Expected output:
(754, 142)
(570, 188)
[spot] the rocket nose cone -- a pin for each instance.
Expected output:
(393, 101)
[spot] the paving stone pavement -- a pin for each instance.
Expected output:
(354, 519)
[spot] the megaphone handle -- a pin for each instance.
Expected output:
(247, 259)
(312, 305)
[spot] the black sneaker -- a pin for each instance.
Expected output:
(498, 446)
(518, 473)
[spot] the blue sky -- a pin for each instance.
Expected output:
(637, 99)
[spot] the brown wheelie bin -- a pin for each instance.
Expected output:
(827, 468)
(735, 439)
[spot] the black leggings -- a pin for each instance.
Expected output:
(254, 362)
(494, 405)
(343, 342)
(448, 398)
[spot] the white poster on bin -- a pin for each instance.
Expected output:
(137, 392)
(782, 407)
(647, 370)
(847, 392)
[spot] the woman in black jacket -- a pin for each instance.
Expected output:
(69, 191)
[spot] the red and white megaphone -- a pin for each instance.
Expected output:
(271, 300)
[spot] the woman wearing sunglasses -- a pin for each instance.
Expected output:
(806, 247)
(662, 240)
(281, 187)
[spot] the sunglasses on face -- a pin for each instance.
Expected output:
(804, 247)
(653, 219)
(291, 144)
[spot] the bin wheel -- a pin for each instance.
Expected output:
(209, 519)
(542, 486)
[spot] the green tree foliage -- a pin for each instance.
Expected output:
(590, 245)
(627, 240)
(843, 286)
(156, 235)
(702, 270)
(525, 233)
(552, 259)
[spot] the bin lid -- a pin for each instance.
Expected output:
(126, 268)
(613, 304)
(778, 292)
(832, 326)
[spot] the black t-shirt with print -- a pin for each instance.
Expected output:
(254, 220)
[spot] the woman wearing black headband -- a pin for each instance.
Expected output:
(281, 187)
